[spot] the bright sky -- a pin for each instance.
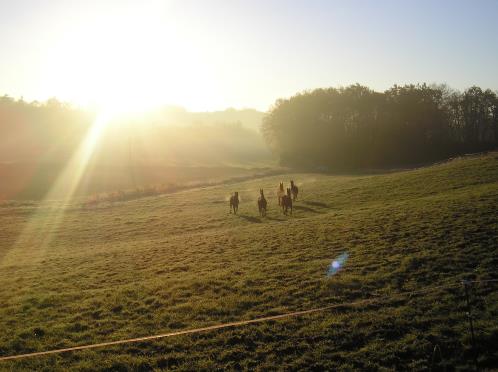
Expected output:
(210, 55)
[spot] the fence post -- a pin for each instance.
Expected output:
(471, 323)
(437, 350)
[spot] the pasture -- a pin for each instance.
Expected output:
(179, 261)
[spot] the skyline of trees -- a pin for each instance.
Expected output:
(326, 128)
(356, 127)
(51, 131)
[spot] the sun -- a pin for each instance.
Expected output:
(117, 72)
(129, 64)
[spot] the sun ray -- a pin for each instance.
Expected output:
(38, 234)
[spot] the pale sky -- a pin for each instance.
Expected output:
(210, 55)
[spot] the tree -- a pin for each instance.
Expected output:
(356, 127)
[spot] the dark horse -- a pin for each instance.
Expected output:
(287, 202)
(262, 203)
(234, 202)
(294, 190)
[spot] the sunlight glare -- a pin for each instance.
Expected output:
(107, 64)
(337, 264)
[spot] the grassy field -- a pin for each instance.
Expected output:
(73, 276)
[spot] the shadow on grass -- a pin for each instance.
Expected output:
(282, 219)
(250, 218)
(316, 204)
(306, 209)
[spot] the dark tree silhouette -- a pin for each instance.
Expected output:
(355, 127)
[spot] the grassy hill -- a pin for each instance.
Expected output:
(72, 276)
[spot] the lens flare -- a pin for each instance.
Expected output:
(337, 264)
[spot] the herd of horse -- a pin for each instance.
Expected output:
(285, 199)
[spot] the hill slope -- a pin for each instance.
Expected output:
(76, 276)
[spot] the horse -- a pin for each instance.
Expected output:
(294, 190)
(287, 202)
(234, 202)
(262, 203)
(280, 192)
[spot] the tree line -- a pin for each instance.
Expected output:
(356, 127)
(33, 130)
(51, 131)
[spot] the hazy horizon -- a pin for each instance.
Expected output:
(210, 56)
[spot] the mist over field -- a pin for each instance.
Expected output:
(164, 146)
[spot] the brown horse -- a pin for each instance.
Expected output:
(287, 202)
(262, 203)
(280, 193)
(294, 190)
(234, 202)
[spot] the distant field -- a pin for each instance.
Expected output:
(178, 261)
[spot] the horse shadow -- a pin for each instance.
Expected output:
(276, 219)
(306, 209)
(250, 218)
(316, 204)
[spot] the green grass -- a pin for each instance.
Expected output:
(180, 261)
